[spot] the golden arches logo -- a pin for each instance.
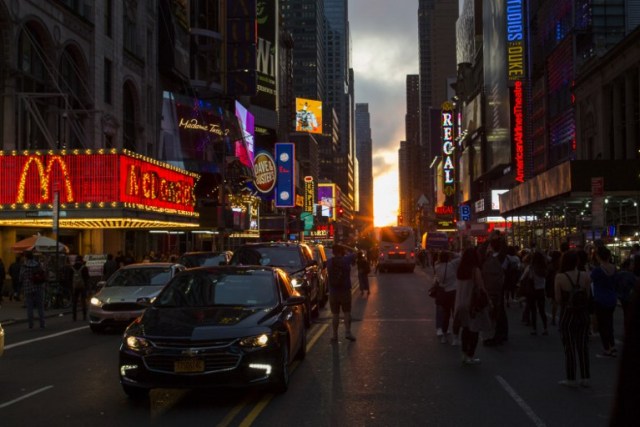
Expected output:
(45, 177)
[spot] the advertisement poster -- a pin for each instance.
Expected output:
(244, 146)
(326, 199)
(308, 115)
(285, 181)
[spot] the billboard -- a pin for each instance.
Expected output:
(327, 199)
(309, 194)
(102, 180)
(286, 177)
(308, 115)
(244, 146)
(266, 54)
(515, 39)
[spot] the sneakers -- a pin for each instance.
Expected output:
(443, 339)
(585, 383)
(568, 383)
(472, 361)
(606, 355)
(439, 332)
(455, 341)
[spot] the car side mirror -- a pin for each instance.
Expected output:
(295, 300)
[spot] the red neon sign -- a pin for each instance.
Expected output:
(518, 130)
(30, 179)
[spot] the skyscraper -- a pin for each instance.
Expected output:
(437, 62)
(364, 156)
(411, 163)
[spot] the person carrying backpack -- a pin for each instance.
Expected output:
(572, 293)
(79, 285)
(339, 269)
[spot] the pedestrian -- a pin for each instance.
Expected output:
(553, 268)
(339, 268)
(493, 273)
(32, 279)
(536, 300)
(79, 284)
(14, 273)
(110, 266)
(363, 273)
(574, 318)
(445, 273)
(604, 299)
(512, 273)
(472, 322)
(625, 283)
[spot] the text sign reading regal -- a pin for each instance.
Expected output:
(448, 178)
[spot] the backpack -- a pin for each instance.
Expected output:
(77, 281)
(336, 274)
(578, 298)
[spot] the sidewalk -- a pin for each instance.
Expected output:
(12, 312)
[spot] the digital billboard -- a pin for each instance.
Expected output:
(308, 115)
(244, 146)
(326, 199)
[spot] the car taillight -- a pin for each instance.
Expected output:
(412, 255)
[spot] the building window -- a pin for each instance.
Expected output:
(108, 18)
(129, 25)
(128, 119)
(108, 79)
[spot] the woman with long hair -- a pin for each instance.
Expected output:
(574, 318)
(472, 323)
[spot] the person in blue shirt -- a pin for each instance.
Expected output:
(339, 268)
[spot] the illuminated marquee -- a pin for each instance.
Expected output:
(309, 193)
(518, 129)
(515, 40)
(106, 178)
(447, 149)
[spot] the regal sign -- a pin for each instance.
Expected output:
(448, 147)
(91, 179)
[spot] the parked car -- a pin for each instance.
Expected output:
(205, 259)
(216, 326)
(320, 256)
(296, 259)
(1, 340)
(128, 292)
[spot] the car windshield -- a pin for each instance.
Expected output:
(210, 289)
(147, 276)
(202, 260)
(279, 256)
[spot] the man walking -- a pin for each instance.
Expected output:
(339, 268)
(493, 277)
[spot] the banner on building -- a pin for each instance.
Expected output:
(285, 181)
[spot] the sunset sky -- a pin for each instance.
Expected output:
(385, 49)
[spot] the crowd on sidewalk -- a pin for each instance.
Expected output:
(580, 288)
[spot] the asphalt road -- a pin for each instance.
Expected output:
(397, 373)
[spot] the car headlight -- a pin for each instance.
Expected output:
(136, 343)
(257, 341)
(96, 301)
(296, 282)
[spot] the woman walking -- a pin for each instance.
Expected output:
(471, 321)
(574, 318)
(536, 300)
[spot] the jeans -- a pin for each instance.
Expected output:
(35, 298)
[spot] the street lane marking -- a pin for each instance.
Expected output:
(46, 337)
(226, 421)
(520, 401)
(26, 396)
(262, 403)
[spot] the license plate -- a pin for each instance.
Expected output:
(189, 365)
(121, 317)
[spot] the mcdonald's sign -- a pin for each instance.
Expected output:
(95, 179)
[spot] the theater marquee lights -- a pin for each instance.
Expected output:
(106, 180)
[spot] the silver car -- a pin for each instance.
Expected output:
(128, 293)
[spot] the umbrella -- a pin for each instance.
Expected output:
(38, 243)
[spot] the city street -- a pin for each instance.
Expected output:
(397, 373)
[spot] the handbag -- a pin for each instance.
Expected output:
(437, 291)
(479, 299)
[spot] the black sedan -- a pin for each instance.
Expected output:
(216, 326)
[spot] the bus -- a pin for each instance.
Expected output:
(397, 247)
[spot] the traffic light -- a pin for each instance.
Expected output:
(340, 212)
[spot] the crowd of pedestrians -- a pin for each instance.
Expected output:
(580, 287)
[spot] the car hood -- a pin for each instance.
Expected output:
(205, 322)
(127, 293)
